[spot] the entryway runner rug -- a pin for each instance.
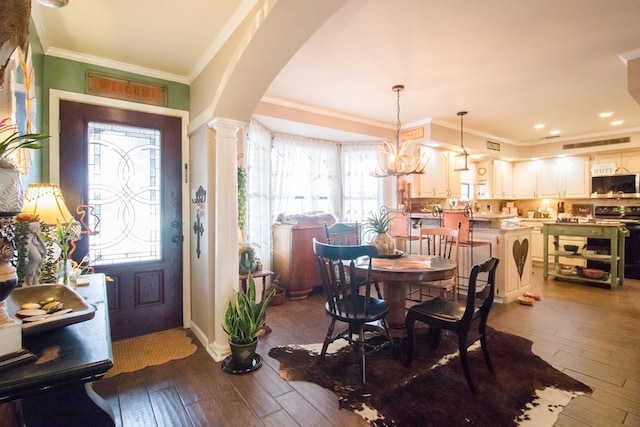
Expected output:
(149, 350)
(524, 391)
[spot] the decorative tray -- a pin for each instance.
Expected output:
(396, 254)
(80, 310)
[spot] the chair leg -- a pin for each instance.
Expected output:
(363, 353)
(434, 337)
(377, 285)
(485, 352)
(327, 339)
(411, 339)
(462, 347)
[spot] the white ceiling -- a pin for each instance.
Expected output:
(510, 63)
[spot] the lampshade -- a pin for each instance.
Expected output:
(46, 201)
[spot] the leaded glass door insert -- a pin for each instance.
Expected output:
(124, 176)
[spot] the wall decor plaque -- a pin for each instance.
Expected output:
(119, 87)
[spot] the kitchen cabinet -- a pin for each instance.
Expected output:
(513, 247)
(626, 162)
(525, 176)
(494, 180)
(566, 177)
(563, 177)
(294, 260)
(440, 180)
(554, 255)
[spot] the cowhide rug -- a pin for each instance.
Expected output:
(525, 390)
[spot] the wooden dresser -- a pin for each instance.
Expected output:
(293, 258)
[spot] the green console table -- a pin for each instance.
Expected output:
(615, 232)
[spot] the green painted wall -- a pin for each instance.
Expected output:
(68, 75)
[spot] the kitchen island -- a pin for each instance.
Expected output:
(613, 231)
(508, 240)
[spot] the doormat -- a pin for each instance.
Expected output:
(524, 391)
(137, 353)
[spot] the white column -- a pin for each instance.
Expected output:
(226, 227)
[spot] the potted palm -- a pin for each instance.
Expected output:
(377, 224)
(243, 322)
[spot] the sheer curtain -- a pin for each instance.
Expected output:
(257, 160)
(361, 192)
(305, 175)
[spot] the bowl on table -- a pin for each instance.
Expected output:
(571, 248)
(593, 273)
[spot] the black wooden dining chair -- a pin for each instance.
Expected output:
(344, 301)
(342, 233)
(440, 242)
(439, 313)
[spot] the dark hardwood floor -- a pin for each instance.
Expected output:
(591, 334)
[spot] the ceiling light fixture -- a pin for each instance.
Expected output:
(56, 4)
(461, 161)
(394, 159)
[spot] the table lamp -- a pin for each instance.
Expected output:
(46, 201)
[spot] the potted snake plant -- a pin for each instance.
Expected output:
(243, 323)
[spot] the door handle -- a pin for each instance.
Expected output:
(177, 239)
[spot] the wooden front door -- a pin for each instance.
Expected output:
(127, 166)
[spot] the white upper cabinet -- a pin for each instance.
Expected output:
(440, 180)
(494, 180)
(627, 162)
(553, 178)
(525, 176)
(564, 177)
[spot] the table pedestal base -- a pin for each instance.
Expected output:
(395, 293)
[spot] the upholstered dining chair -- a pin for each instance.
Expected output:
(461, 318)
(441, 242)
(344, 301)
(342, 233)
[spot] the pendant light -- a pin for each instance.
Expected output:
(461, 161)
(394, 159)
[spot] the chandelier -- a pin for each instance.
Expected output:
(461, 161)
(395, 160)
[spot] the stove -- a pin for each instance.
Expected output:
(623, 213)
(630, 217)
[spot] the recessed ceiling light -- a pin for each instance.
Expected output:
(617, 122)
(555, 132)
(539, 126)
(54, 3)
(606, 114)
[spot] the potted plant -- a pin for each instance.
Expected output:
(279, 293)
(377, 224)
(247, 258)
(243, 322)
(11, 194)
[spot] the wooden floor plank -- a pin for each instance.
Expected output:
(589, 333)
(168, 408)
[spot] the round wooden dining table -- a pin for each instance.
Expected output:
(398, 272)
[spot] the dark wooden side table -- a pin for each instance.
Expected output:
(256, 274)
(55, 390)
